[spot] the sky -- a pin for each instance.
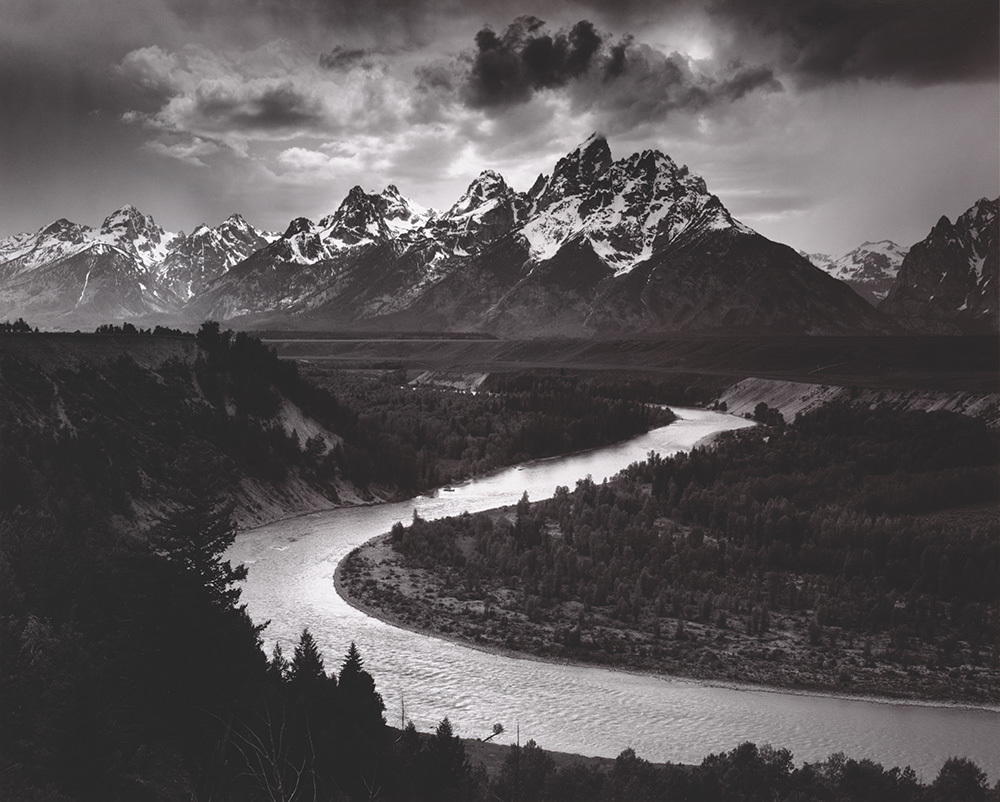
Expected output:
(819, 123)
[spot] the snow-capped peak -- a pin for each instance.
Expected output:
(137, 235)
(870, 268)
(357, 221)
(402, 215)
(575, 172)
(57, 240)
(625, 209)
(487, 188)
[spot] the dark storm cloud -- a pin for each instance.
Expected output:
(508, 68)
(826, 41)
(631, 79)
(744, 80)
(347, 58)
(266, 108)
(637, 84)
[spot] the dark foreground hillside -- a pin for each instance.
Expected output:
(128, 426)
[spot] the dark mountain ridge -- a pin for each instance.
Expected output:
(949, 282)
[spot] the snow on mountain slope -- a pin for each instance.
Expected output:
(137, 235)
(129, 263)
(949, 280)
(869, 269)
(23, 252)
(625, 209)
(195, 261)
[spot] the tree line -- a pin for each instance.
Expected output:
(420, 438)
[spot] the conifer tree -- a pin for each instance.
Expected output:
(195, 539)
(307, 662)
(353, 665)
(447, 767)
(277, 666)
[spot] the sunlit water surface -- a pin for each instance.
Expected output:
(594, 711)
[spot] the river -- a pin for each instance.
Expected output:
(589, 710)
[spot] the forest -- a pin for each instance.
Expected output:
(419, 438)
(122, 435)
(851, 550)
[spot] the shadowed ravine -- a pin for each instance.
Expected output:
(572, 708)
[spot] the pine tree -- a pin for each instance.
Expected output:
(307, 662)
(447, 767)
(278, 666)
(353, 664)
(195, 539)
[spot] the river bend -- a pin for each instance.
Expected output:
(590, 710)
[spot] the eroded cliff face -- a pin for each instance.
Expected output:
(791, 398)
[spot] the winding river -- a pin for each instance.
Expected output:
(589, 710)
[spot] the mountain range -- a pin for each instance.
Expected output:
(596, 247)
(869, 270)
(70, 274)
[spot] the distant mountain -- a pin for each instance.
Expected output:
(129, 267)
(598, 246)
(949, 281)
(869, 270)
(194, 261)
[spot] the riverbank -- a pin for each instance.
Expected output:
(374, 580)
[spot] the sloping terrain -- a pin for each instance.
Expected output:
(133, 424)
(950, 281)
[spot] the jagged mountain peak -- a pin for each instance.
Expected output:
(537, 187)
(137, 235)
(236, 220)
(575, 172)
(594, 149)
(400, 213)
(587, 161)
(64, 229)
(948, 280)
(868, 269)
(128, 216)
(626, 209)
(658, 171)
(356, 201)
(365, 217)
(487, 187)
(300, 225)
(981, 213)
